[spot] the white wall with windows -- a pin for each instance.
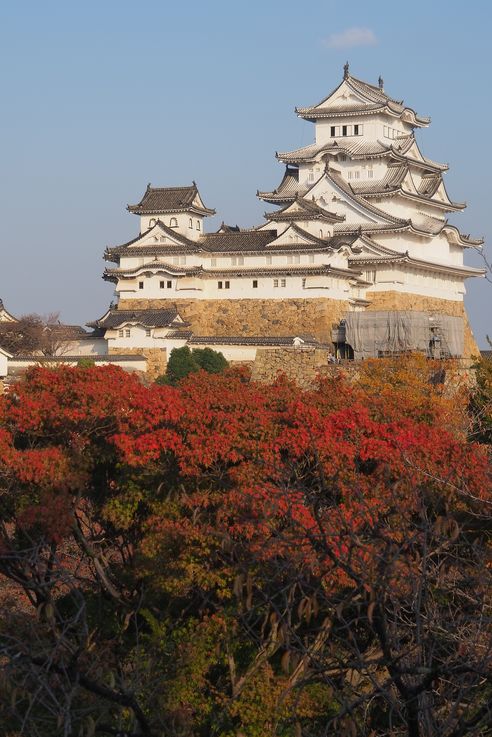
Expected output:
(187, 224)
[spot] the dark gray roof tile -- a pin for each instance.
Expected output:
(169, 199)
(147, 318)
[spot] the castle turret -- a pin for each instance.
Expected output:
(180, 208)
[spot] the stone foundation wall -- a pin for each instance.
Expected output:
(304, 366)
(417, 303)
(156, 358)
(299, 365)
(238, 317)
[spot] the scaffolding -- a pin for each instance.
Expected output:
(391, 333)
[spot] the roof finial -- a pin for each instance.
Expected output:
(345, 70)
(381, 83)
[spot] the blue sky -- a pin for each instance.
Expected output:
(100, 98)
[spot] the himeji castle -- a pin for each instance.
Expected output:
(356, 252)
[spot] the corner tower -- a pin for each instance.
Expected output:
(180, 208)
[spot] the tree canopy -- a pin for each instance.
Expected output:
(183, 361)
(229, 558)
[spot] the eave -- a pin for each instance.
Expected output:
(137, 210)
(280, 270)
(391, 192)
(409, 115)
(398, 257)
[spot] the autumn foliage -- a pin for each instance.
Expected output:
(224, 557)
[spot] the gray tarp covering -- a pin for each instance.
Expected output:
(454, 333)
(372, 334)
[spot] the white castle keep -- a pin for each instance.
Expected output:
(355, 252)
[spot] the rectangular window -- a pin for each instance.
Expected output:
(255, 283)
(350, 175)
(332, 131)
(275, 282)
(356, 174)
(182, 259)
(282, 282)
(120, 333)
(140, 284)
(356, 130)
(227, 284)
(213, 262)
(147, 332)
(161, 285)
(219, 285)
(370, 174)
(127, 333)
(269, 260)
(304, 283)
(237, 261)
(169, 284)
(311, 258)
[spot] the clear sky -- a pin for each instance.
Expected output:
(102, 97)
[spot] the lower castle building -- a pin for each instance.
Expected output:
(356, 251)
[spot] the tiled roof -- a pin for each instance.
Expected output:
(287, 190)
(390, 182)
(165, 266)
(169, 199)
(243, 271)
(403, 144)
(180, 334)
(373, 99)
(339, 111)
(351, 146)
(280, 340)
(359, 228)
(228, 228)
(185, 244)
(243, 240)
(345, 187)
(147, 318)
(307, 208)
(425, 222)
(400, 257)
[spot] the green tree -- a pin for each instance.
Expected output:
(183, 361)
(213, 362)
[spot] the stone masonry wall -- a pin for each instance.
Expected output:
(299, 365)
(248, 317)
(415, 302)
(156, 358)
(238, 317)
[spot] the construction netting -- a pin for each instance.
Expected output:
(375, 334)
